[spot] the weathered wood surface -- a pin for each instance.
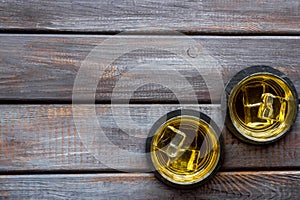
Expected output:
(38, 68)
(226, 185)
(203, 16)
(44, 67)
(44, 138)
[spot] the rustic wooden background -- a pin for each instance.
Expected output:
(42, 46)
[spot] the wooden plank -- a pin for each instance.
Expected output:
(44, 138)
(44, 67)
(206, 16)
(225, 185)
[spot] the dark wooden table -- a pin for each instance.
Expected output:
(43, 44)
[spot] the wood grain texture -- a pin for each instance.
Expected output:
(44, 67)
(44, 138)
(225, 185)
(203, 16)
